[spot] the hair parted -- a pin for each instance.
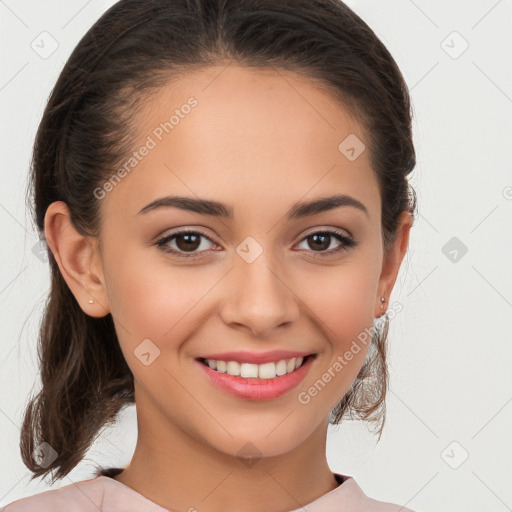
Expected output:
(86, 130)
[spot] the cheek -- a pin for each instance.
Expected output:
(151, 300)
(343, 299)
(343, 302)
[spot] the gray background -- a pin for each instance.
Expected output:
(444, 446)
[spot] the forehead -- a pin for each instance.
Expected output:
(237, 134)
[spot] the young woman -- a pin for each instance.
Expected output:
(223, 188)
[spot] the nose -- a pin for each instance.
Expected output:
(259, 297)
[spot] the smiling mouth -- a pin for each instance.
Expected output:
(257, 371)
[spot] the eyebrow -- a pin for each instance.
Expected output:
(216, 209)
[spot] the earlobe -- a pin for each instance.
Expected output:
(77, 258)
(392, 262)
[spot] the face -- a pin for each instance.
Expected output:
(258, 277)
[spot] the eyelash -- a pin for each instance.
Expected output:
(347, 242)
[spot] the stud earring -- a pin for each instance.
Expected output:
(90, 301)
(383, 301)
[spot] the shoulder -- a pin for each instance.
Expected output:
(98, 493)
(84, 496)
(349, 497)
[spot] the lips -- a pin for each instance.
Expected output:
(243, 382)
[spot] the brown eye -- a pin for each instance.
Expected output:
(183, 242)
(320, 241)
(188, 241)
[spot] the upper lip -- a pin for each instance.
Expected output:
(256, 357)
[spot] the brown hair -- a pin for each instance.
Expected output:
(86, 129)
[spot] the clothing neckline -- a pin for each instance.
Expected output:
(346, 484)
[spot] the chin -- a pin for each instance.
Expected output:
(260, 441)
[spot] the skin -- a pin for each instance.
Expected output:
(259, 141)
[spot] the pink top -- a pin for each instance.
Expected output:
(103, 493)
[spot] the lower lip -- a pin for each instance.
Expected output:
(257, 389)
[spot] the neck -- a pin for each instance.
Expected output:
(179, 472)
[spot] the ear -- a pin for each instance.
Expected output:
(392, 261)
(78, 259)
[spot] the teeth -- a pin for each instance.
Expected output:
(233, 368)
(281, 368)
(248, 370)
(267, 370)
(252, 371)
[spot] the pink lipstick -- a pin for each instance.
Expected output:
(263, 376)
